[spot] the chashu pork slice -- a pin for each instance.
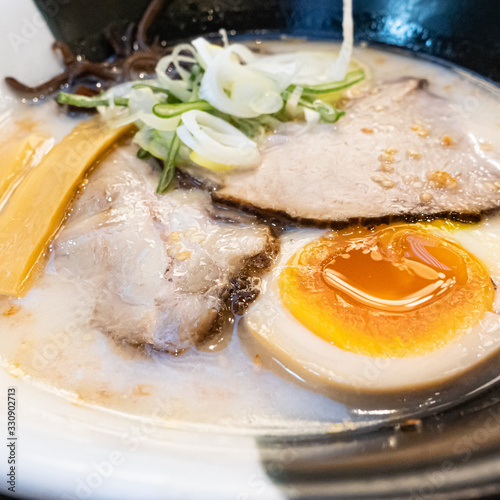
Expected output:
(398, 151)
(160, 268)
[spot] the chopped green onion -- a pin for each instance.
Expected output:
(251, 127)
(165, 110)
(350, 79)
(83, 101)
(155, 142)
(171, 99)
(152, 87)
(167, 175)
(142, 154)
(328, 113)
(197, 73)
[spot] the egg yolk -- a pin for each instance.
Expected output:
(391, 292)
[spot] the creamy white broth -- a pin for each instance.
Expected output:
(47, 335)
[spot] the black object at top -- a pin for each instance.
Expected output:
(463, 32)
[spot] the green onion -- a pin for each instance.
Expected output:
(171, 99)
(165, 110)
(327, 112)
(167, 175)
(251, 127)
(155, 142)
(83, 101)
(142, 154)
(195, 78)
(196, 75)
(350, 79)
(163, 142)
(152, 87)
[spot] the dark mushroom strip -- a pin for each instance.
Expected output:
(131, 54)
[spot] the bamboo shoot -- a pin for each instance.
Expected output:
(37, 207)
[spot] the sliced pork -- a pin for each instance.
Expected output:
(398, 151)
(161, 268)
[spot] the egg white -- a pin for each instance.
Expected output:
(274, 332)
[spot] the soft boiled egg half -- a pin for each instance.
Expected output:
(396, 310)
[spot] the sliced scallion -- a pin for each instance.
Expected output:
(142, 154)
(350, 79)
(327, 112)
(171, 99)
(168, 173)
(165, 110)
(83, 101)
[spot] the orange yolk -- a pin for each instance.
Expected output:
(394, 291)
